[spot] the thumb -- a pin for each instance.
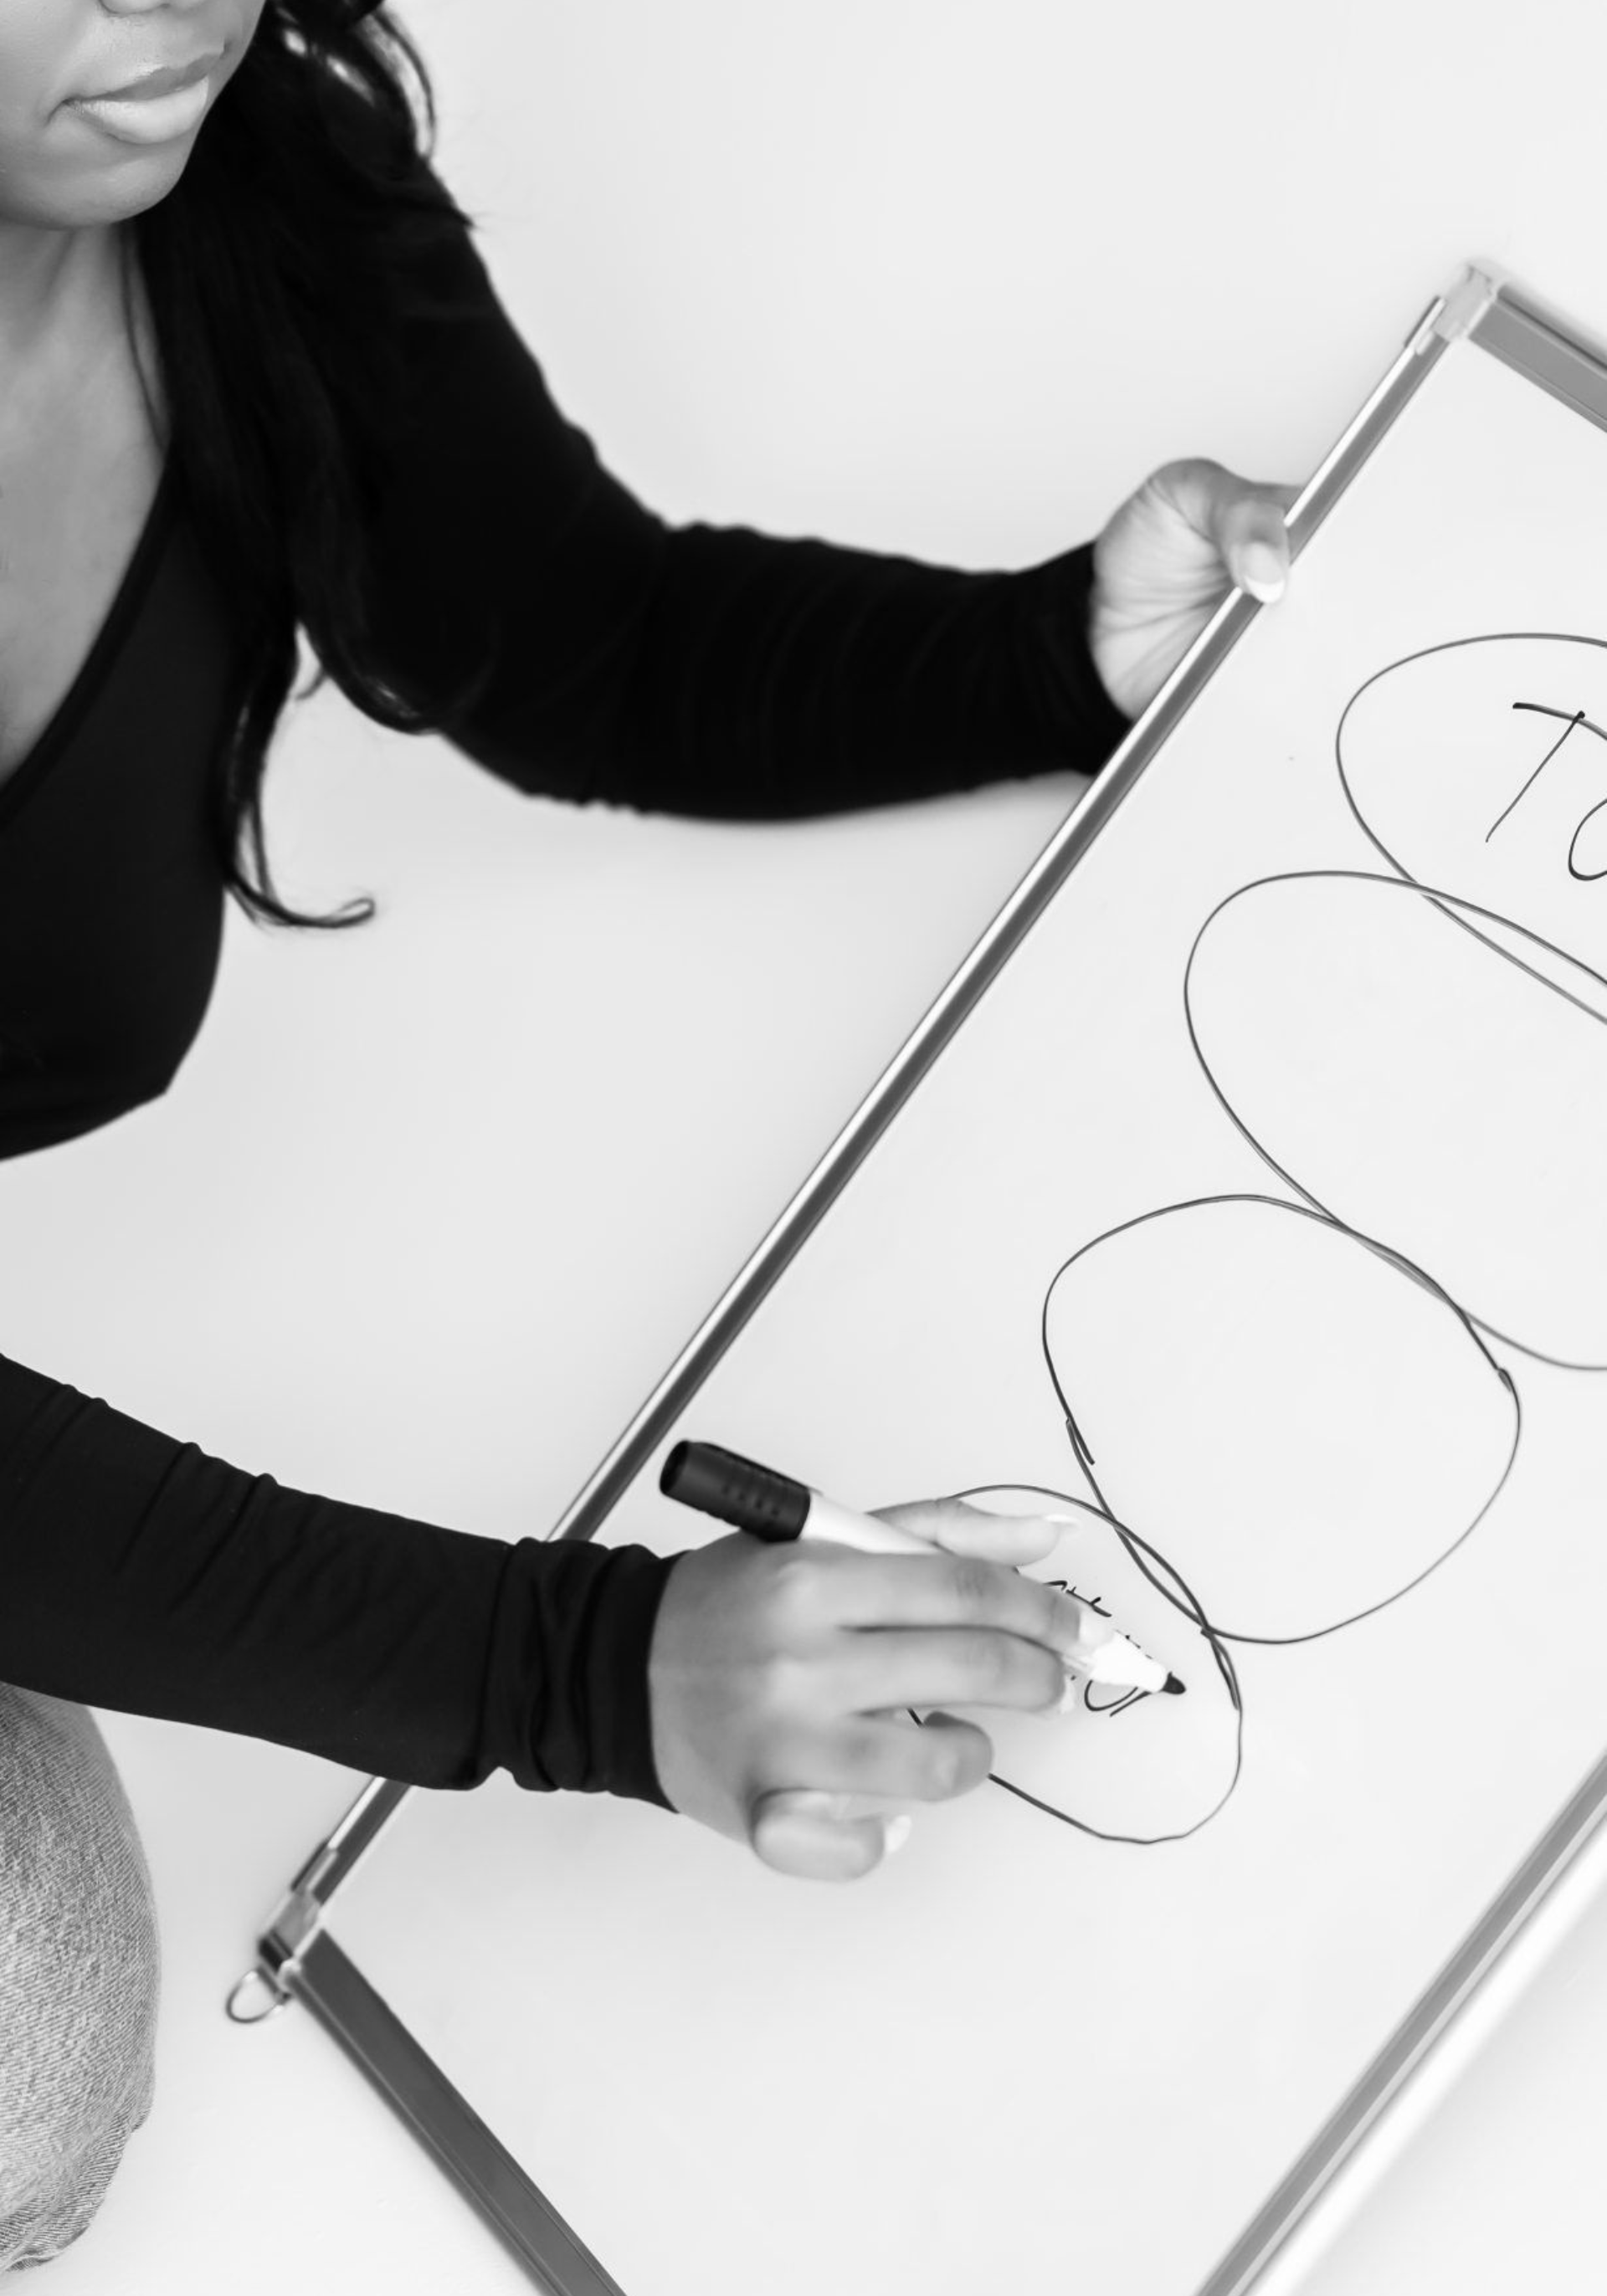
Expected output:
(1242, 518)
(823, 1837)
(1252, 541)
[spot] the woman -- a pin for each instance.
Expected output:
(256, 379)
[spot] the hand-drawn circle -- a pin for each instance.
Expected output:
(1125, 1767)
(1300, 1419)
(1421, 1085)
(1478, 766)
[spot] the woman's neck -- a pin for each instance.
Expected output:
(73, 344)
(57, 290)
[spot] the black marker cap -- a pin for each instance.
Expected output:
(735, 1490)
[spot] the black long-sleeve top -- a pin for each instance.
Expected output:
(693, 670)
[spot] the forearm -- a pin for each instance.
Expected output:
(762, 680)
(143, 1575)
(690, 669)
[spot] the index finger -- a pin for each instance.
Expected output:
(962, 1527)
(951, 1590)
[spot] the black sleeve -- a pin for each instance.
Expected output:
(694, 669)
(140, 1574)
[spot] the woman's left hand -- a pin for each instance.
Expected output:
(1167, 559)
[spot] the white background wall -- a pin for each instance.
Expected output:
(949, 276)
(427, 1212)
(946, 279)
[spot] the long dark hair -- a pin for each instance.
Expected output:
(276, 272)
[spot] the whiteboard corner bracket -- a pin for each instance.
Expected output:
(1457, 312)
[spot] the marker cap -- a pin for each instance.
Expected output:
(736, 1491)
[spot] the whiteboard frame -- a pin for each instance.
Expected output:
(298, 1960)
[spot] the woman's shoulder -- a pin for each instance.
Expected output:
(429, 235)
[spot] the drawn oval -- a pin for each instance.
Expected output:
(1423, 1086)
(1481, 766)
(1127, 1767)
(1298, 1422)
(1587, 848)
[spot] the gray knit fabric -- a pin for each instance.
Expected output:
(79, 1974)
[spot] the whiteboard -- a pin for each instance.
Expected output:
(1256, 1185)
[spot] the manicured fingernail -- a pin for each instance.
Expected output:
(1262, 576)
(897, 1831)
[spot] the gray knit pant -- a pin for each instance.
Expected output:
(79, 1974)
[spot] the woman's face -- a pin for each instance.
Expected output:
(63, 165)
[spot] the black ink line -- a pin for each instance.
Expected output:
(1493, 637)
(1123, 1699)
(1191, 1609)
(1579, 718)
(1447, 645)
(1439, 898)
(1574, 716)
(1084, 1455)
(1584, 877)
(1066, 1588)
(1218, 1637)
(1384, 1251)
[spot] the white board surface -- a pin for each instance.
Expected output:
(1023, 2055)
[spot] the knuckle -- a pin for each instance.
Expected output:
(1186, 474)
(792, 1587)
(973, 1581)
(958, 1760)
(788, 1685)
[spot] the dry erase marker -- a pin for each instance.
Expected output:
(772, 1506)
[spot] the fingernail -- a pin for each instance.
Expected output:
(897, 1831)
(1263, 575)
(814, 1803)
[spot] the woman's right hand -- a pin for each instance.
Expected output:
(781, 1676)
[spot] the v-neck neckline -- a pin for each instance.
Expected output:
(81, 695)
